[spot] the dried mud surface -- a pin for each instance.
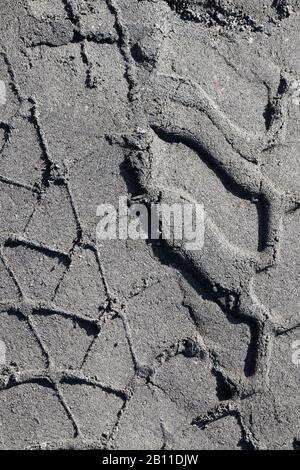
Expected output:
(128, 344)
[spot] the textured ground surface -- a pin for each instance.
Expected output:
(124, 344)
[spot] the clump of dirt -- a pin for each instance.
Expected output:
(283, 8)
(214, 12)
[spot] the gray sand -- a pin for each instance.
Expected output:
(125, 344)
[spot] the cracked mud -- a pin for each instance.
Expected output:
(135, 345)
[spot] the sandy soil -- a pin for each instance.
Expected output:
(124, 344)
